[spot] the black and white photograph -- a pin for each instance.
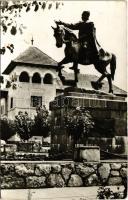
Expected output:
(63, 100)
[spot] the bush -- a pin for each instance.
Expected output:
(23, 125)
(78, 123)
(7, 128)
(41, 125)
(107, 193)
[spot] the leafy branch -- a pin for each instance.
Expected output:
(9, 47)
(11, 11)
(12, 82)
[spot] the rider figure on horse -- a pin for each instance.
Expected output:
(87, 35)
(85, 50)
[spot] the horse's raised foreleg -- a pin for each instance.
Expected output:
(64, 61)
(60, 67)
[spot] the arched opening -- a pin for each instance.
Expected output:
(24, 77)
(36, 78)
(48, 79)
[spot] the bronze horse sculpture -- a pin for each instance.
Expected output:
(74, 53)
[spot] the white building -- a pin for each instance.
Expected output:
(37, 82)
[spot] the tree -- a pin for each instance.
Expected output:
(41, 122)
(24, 125)
(7, 128)
(27, 127)
(78, 123)
(11, 11)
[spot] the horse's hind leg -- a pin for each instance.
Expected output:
(101, 78)
(98, 84)
(104, 73)
(109, 82)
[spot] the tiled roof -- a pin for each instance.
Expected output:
(33, 56)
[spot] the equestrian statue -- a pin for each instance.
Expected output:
(84, 50)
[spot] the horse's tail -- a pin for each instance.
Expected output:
(113, 66)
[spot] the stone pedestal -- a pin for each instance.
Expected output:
(87, 154)
(108, 111)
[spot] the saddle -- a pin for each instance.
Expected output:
(88, 55)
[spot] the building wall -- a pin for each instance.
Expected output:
(22, 95)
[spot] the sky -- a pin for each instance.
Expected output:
(109, 18)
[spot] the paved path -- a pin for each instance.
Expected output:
(74, 193)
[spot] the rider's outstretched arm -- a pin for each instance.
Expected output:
(71, 26)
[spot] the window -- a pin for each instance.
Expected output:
(11, 103)
(36, 78)
(2, 109)
(48, 79)
(24, 77)
(36, 101)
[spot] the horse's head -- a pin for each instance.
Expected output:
(59, 35)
